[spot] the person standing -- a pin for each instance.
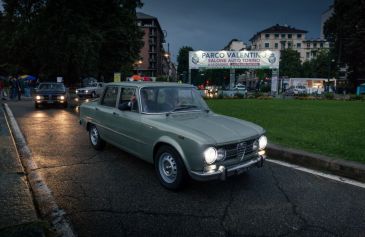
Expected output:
(18, 87)
(1, 89)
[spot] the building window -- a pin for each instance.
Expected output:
(290, 45)
(307, 54)
(283, 45)
(276, 36)
(276, 45)
(267, 36)
(283, 36)
(299, 36)
(308, 45)
(321, 45)
(314, 45)
(289, 36)
(267, 45)
(299, 45)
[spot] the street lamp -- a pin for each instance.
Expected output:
(329, 74)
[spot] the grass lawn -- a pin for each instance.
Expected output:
(332, 128)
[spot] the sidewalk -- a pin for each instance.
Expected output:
(18, 216)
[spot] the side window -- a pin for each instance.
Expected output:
(110, 96)
(128, 96)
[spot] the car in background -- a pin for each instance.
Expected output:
(91, 91)
(171, 126)
(240, 89)
(50, 93)
(295, 90)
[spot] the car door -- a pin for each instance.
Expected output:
(105, 114)
(128, 122)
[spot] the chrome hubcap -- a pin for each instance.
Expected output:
(94, 136)
(167, 168)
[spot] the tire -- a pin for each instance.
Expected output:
(36, 106)
(65, 105)
(170, 168)
(96, 142)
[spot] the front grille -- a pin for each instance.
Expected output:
(238, 150)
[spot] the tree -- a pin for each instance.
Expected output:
(346, 31)
(290, 64)
(183, 62)
(70, 38)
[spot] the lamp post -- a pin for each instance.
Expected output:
(167, 56)
(329, 74)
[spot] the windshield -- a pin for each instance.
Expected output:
(171, 99)
(51, 86)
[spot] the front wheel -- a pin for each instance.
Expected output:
(95, 139)
(170, 169)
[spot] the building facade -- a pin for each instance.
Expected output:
(279, 37)
(152, 53)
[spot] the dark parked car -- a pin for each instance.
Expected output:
(50, 93)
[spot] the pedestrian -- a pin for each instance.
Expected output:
(18, 87)
(1, 89)
(13, 89)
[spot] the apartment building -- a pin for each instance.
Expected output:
(152, 53)
(279, 37)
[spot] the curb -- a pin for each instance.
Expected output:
(345, 168)
(42, 194)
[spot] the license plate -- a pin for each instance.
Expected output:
(50, 102)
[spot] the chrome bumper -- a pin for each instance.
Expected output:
(223, 172)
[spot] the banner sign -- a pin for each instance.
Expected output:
(234, 59)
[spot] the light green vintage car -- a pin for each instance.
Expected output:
(171, 126)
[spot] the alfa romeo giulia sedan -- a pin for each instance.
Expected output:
(171, 126)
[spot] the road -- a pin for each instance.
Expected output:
(111, 193)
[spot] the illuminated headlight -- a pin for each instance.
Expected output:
(262, 142)
(86, 91)
(61, 97)
(210, 155)
(77, 91)
(221, 154)
(39, 97)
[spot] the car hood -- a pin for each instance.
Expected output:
(47, 92)
(212, 128)
(87, 88)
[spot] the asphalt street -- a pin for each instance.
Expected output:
(111, 193)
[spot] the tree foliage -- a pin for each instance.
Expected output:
(346, 30)
(72, 39)
(183, 62)
(290, 64)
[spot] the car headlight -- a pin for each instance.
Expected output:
(77, 91)
(210, 155)
(38, 97)
(262, 142)
(86, 91)
(61, 97)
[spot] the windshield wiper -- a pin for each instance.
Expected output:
(183, 107)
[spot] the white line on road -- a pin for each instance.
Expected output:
(42, 194)
(319, 173)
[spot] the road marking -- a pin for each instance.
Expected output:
(42, 194)
(319, 173)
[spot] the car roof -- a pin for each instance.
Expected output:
(149, 84)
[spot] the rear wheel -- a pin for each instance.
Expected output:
(170, 168)
(96, 142)
(36, 105)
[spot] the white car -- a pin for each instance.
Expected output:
(93, 90)
(241, 89)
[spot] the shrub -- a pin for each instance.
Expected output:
(329, 96)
